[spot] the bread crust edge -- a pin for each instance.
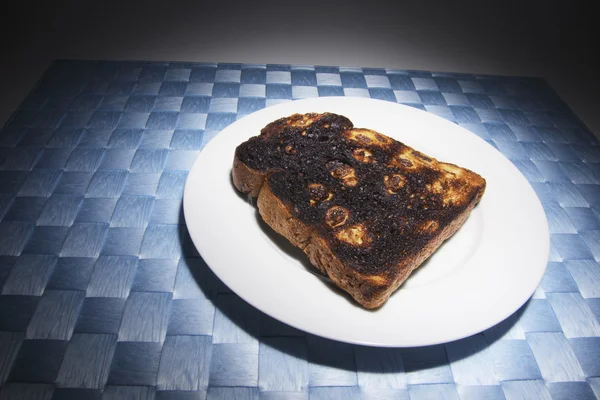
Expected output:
(245, 179)
(370, 291)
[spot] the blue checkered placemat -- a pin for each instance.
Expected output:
(103, 295)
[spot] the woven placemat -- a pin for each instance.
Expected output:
(103, 295)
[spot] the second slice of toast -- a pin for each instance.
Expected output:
(366, 209)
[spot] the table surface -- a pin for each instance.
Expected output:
(103, 294)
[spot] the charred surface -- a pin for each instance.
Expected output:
(375, 200)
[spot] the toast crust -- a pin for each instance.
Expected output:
(245, 179)
(366, 212)
(371, 291)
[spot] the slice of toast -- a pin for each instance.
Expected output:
(366, 209)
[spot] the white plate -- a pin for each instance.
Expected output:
(475, 280)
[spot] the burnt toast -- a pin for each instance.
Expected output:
(366, 209)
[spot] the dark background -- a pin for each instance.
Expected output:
(552, 39)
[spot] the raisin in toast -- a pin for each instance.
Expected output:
(366, 209)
